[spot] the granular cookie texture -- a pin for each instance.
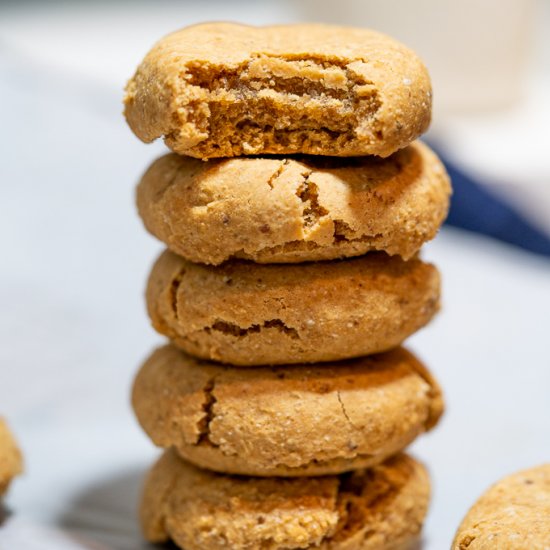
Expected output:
(285, 421)
(514, 514)
(252, 314)
(298, 209)
(382, 508)
(225, 90)
(11, 461)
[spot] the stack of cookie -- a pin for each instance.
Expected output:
(283, 399)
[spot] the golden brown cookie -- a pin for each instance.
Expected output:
(226, 90)
(11, 461)
(278, 210)
(514, 514)
(285, 421)
(378, 509)
(252, 314)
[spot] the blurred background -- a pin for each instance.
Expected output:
(75, 257)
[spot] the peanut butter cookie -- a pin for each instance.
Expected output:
(252, 314)
(382, 508)
(226, 90)
(285, 421)
(280, 210)
(11, 461)
(514, 514)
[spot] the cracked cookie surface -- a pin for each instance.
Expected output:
(224, 90)
(11, 461)
(382, 508)
(257, 314)
(285, 421)
(514, 514)
(278, 210)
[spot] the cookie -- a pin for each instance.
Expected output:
(514, 514)
(226, 90)
(285, 421)
(281, 210)
(11, 462)
(378, 509)
(252, 314)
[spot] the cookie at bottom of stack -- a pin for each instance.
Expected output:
(380, 508)
(286, 421)
(514, 514)
(11, 461)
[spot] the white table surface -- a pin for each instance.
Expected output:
(73, 326)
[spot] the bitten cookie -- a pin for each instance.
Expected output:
(285, 421)
(514, 514)
(378, 509)
(225, 90)
(251, 314)
(278, 210)
(11, 461)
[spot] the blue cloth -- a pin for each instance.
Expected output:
(475, 208)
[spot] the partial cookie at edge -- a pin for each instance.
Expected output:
(513, 514)
(11, 461)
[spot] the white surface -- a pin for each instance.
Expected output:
(73, 326)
